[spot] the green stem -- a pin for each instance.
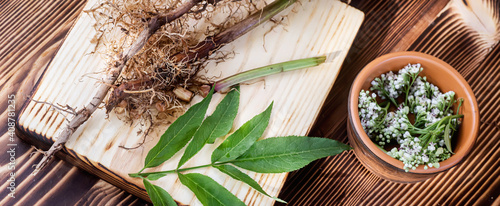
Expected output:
(433, 136)
(413, 78)
(424, 139)
(419, 131)
(447, 118)
(268, 70)
(408, 89)
(390, 98)
(460, 102)
(386, 108)
(146, 174)
(435, 126)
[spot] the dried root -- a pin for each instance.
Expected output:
(113, 73)
(164, 71)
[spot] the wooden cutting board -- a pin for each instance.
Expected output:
(322, 27)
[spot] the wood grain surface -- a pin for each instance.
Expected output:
(461, 34)
(95, 146)
(30, 34)
(438, 27)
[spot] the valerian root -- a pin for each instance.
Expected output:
(113, 73)
(202, 50)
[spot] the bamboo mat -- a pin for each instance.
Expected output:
(431, 26)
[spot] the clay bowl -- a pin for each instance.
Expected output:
(440, 74)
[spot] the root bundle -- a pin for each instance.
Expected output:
(162, 75)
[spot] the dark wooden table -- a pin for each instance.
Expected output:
(463, 33)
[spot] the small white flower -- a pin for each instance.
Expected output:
(441, 143)
(425, 158)
(439, 151)
(431, 147)
(407, 134)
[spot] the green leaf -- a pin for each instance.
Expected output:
(214, 126)
(239, 142)
(154, 177)
(208, 191)
(236, 174)
(228, 110)
(158, 195)
(178, 134)
(285, 154)
(447, 137)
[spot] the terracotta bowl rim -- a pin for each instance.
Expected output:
(368, 144)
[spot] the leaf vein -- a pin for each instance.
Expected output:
(206, 191)
(279, 155)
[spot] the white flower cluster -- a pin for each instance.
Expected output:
(370, 112)
(428, 103)
(390, 82)
(396, 125)
(412, 154)
(420, 143)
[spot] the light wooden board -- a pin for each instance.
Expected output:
(313, 28)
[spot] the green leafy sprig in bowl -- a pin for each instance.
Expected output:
(426, 141)
(396, 111)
